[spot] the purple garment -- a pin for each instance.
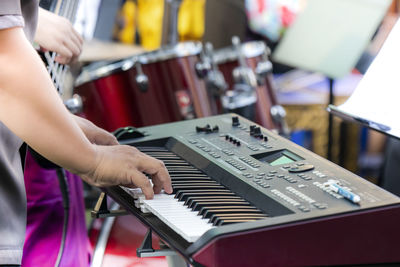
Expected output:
(45, 219)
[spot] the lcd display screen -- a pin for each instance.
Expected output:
(278, 157)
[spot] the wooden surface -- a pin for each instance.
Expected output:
(96, 50)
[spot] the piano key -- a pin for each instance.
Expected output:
(191, 182)
(225, 222)
(194, 182)
(183, 221)
(183, 194)
(172, 172)
(195, 178)
(190, 199)
(207, 212)
(198, 187)
(199, 204)
(189, 175)
(216, 218)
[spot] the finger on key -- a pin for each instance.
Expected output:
(140, 180)
(157, 170)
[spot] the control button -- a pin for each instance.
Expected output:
(280, 176)
(260, 174)
(305, 167)
(320, 206)
(265, 138)
(286, 167)
(250, 176)
(273, 172)
(300, 164)
(252, 127)
(192, 141)
(304, 209)
(226, 137)
(207, 129)
(235, 121)
(238, 143)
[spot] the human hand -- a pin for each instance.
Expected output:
(126, 165)
(95, 134)
(55, 33)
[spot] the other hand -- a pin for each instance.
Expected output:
(55, 33)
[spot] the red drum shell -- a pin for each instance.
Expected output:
(174, 91)
(107, 102)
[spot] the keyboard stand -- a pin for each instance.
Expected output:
(146, 248)
(101, 209)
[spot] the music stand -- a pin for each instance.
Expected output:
(329, 37)
(376, 101)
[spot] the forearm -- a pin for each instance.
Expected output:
(31, 108)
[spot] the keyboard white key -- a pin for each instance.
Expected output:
(173, 213)
(181, 219)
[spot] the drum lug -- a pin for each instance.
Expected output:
(209, 69)
(243, 74)
(262, 70)
(146, 248)
(141, 79)
(74, 104)
(202, 69)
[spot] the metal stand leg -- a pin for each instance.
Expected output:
(330, 121)
(147, 250)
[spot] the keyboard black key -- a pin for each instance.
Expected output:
(184, 194)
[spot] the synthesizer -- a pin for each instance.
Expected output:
(244, 196)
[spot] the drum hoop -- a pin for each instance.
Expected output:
(105, 69)
(183, 49)
(249, 49)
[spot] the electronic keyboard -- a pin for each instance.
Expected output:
(244, 196)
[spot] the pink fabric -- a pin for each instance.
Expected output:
(46, 216)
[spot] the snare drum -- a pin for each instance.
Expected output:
(151, 88)
(255, 55)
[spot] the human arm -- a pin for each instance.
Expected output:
(95, 134)
(31, 108)
(55, 33)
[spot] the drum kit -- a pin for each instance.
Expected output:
(177, 82)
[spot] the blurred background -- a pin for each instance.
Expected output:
(147, 62)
